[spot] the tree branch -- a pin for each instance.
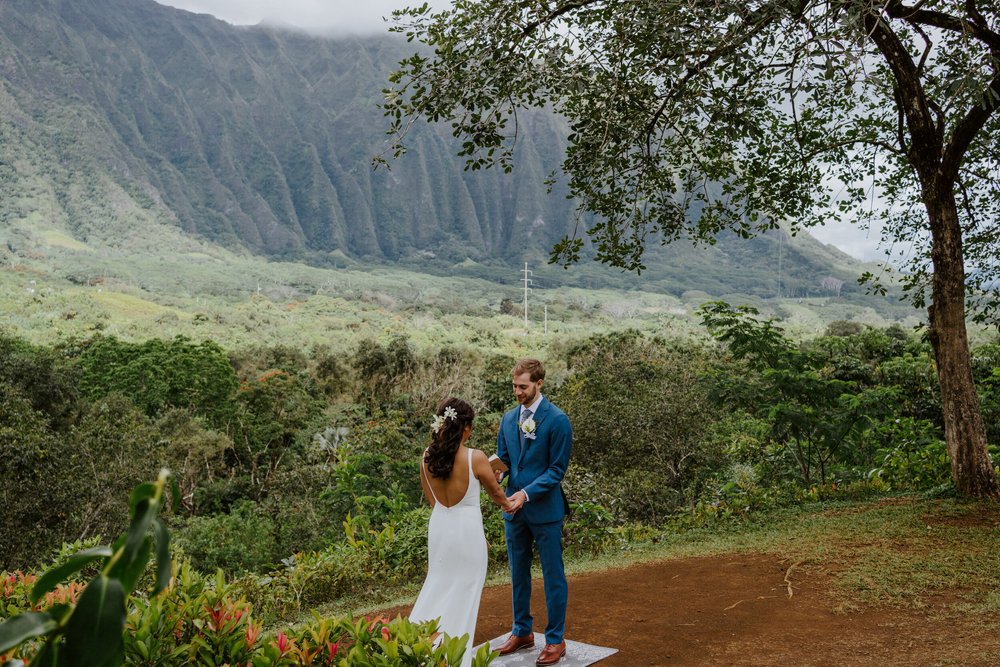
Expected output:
(897, 150)
(900, 119)
(928, 47)
(972, 10)
(965, 201)
(711, 56)
(556, 13)
(911, 98)
(968, 127)
(911, 13)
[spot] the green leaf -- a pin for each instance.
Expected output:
(143, 516)
(60, 612)
(142, 492)
(129, 570)
(50, 655)
(27, 626)
(94, 631)
(162, 556)
(56, 575)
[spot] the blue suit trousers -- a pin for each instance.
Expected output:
(522, 537)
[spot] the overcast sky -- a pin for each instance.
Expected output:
(365, 16)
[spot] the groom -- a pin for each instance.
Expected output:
(534, 441)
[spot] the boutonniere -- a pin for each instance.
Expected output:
(528, 428)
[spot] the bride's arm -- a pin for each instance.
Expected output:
(483, 471)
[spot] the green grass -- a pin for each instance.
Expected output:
(59, 239)
(161, 283)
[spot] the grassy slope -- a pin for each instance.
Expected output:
(161, 283)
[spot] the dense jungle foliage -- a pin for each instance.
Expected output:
(298, 469)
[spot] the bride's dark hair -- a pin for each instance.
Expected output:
(440, 456)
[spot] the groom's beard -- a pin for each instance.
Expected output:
(529, 396)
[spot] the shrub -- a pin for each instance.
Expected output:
(639, 413)
(989, 392)
(371, 560)
(331, 375)
(914, 455)
(272, 414)
(243, 539)
(843, 328)
(496, 539)
(383, 370)
(201, 620)
(42, 376)
(89, 632)
(197, 455)
(115, 447)
(157, 375)
(919, 391)
(35, 503)
(590, 530)
(376, 460)
(255, 361)
(303, 520)
(495, 384)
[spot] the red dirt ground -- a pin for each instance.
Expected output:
(735, 610)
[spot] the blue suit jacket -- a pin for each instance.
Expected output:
(539, 466)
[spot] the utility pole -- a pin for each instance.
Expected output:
(781, 236)
(527, 288)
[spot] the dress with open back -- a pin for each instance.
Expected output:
(456, 565)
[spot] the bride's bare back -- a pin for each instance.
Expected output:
(449, 492)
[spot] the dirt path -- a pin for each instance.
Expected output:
(735, 610)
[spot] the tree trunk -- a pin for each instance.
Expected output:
(964, 432)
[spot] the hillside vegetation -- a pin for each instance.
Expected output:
(164, 284)
(298, 472)
(123, 121)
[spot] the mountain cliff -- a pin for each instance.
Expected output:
(251, 135)
(115, 114)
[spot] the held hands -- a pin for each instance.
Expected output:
(515, 502)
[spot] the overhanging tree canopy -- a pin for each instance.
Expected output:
(690, 117)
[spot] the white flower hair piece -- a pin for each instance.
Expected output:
(449, 413)
(437, 423)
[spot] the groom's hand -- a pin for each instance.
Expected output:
(516, 501)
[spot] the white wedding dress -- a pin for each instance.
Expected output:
(456, 565)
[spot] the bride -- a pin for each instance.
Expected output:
(451, 475)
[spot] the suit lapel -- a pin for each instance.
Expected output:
(514, 437)
(543, 410)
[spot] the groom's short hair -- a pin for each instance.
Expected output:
(533, 367)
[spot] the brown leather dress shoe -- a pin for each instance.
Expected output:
(551, 654)
(515, 643)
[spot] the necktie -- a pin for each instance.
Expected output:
(525, 415)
